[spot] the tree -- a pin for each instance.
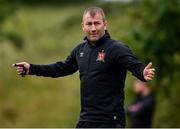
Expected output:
(7, 9)
(158, 31)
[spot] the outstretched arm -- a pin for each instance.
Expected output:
(126, 59)
(58, 69)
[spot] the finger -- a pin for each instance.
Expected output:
(148, 79)
(153, 69)
(19, 64)
(150, 73)
(16, 65)
(150, 76)
(19, 68)
(19, 73)
(149, 65)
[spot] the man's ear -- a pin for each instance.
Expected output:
(82, 26)
(105, 25)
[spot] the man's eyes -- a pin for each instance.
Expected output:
(88, 24)
(96, 23)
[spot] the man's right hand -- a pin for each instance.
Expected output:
(21, 66)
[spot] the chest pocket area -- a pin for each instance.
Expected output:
(101, 61)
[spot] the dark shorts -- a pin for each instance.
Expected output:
(87, 124)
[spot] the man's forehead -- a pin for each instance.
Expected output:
(88, 17)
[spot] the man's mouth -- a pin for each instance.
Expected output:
(94, 35)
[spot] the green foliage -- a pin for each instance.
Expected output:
(54, 2)
(158, 31)
(162, 41)
(7, 9)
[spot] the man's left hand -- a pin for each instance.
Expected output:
(149, 72)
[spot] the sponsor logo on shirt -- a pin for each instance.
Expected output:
(81, 54)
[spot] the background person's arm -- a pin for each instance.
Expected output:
(140, 108)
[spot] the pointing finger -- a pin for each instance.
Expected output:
(18, 64)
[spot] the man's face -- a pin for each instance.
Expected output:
(94, 27)
(138, 88)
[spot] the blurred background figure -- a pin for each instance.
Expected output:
(140, 112)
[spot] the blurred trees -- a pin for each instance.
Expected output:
(54, 2)
(7, 9)
(158, 30)
(160, 22)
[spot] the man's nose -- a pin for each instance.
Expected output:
(93, 28)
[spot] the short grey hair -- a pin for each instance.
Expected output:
(93, 11)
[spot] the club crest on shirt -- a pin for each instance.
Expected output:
(101, 56)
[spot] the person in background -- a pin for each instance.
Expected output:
(141, 110)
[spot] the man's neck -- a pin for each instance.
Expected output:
(95, 42)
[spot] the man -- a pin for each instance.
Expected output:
(102, 64)
(141, 110)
